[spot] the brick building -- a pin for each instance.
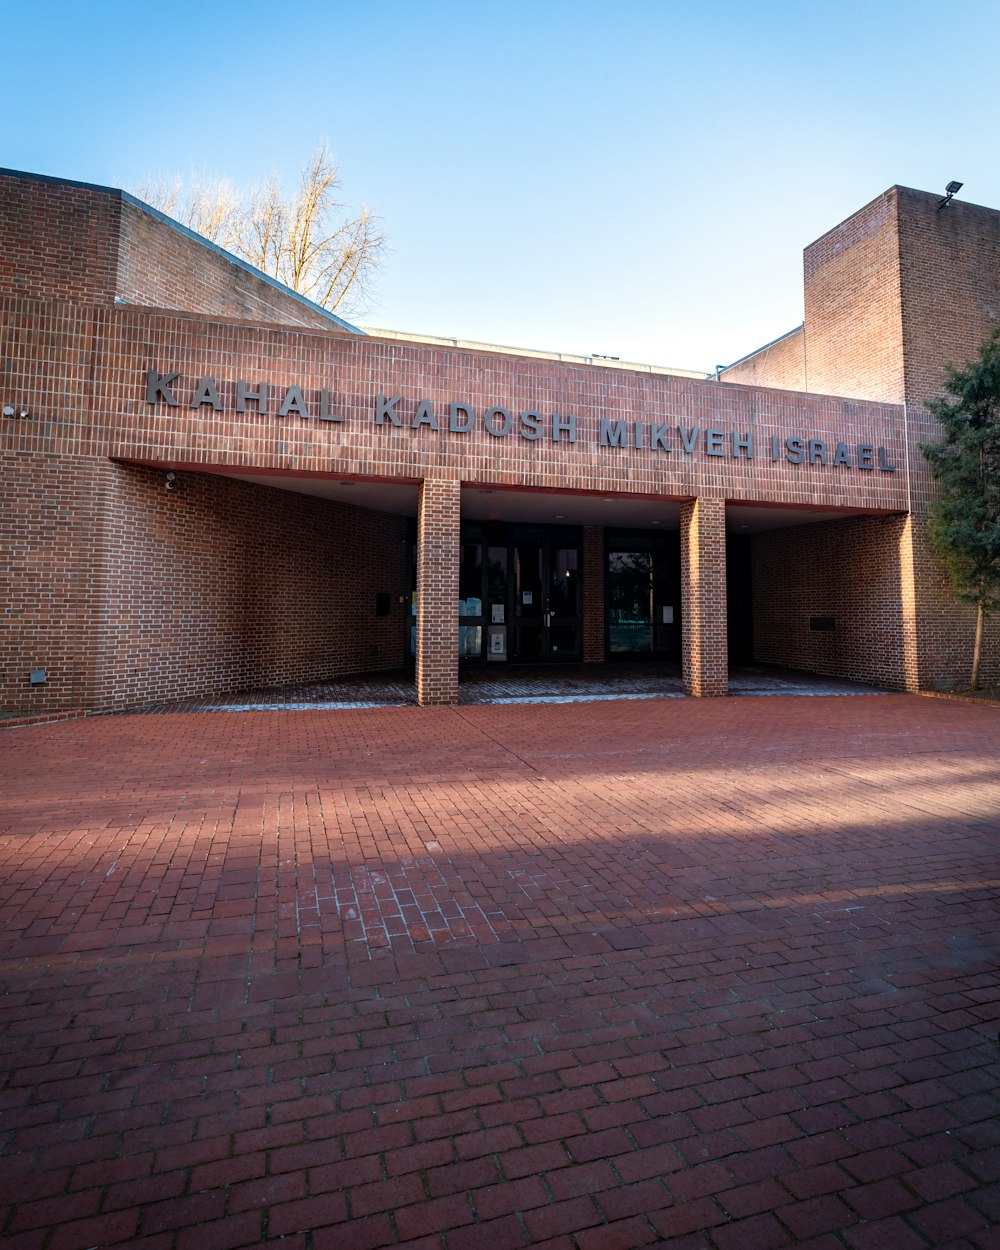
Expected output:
(210, 484)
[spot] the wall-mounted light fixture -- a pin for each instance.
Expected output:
(171, 479)
(951, 190)
(21, 410)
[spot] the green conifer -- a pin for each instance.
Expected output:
(964, 521)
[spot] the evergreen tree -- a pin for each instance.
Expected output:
(964, 521)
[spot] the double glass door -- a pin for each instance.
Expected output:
(520, 593)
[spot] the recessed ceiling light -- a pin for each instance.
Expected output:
(345, 483)
(558, 516)
(486, 492)
(656, 522)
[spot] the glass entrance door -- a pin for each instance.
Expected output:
(546, 612)
(520, 593)
(630, 602)
(642, 595)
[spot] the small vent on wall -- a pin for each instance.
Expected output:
(823, 624)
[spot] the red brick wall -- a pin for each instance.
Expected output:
(134, 593)
(950, 274)
(851, 341)
(49, 560)
(186, 274)
(897, 625)
(945, 625)
(781, 364)
(853, 329)
(850, 570)
(891, 295)
(58, 242)
(359, 367)
(91, 245)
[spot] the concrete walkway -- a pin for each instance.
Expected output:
(713, 974)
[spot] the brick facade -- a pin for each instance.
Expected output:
(780, 364)
(828, 599)
(950, 284)
(853, 307)
(127, 592)
(901, 288)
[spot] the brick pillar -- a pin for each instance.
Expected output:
(909, 542)
(438, 555)
(593, 594)
(703, 597)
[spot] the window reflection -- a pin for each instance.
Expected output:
(630, 601)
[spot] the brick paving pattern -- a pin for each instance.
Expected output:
(700, 974)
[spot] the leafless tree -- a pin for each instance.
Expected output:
(305, 241)
(209, 208)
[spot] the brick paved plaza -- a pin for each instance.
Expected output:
(714, 974)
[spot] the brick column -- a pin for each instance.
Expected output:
(593, 594)
(909, 542)
(438, 555)
(703, 597)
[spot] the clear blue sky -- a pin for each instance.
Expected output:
(636, 179)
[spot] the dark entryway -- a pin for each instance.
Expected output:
(739, 598)
(521, 594)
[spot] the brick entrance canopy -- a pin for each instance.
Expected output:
(703, 596)
(438, 540)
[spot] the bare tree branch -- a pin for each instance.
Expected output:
(306, 241)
